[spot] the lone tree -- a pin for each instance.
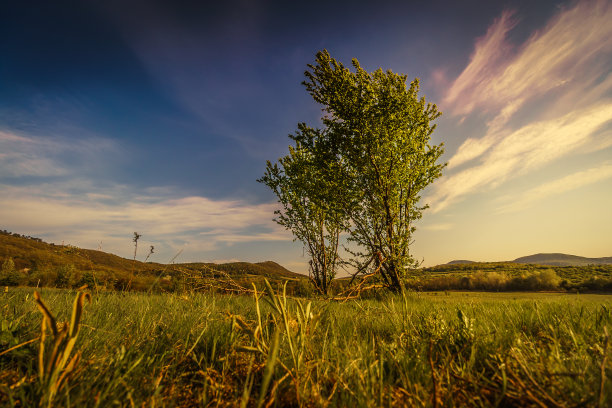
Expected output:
(306, 182)
(363, 173)
(380, 131)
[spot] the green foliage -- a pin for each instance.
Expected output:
(9, 276)
(67, 276)
(369, 165)
(508, 276)
(307, 183)
(546, 279)
(8, 266)
(382, 131)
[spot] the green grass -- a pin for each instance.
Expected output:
(434, 349)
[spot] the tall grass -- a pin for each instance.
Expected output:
(268, 350)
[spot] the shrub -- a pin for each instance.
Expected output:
(303, 288)
(597, 283)
(87, 278)
(42, 275)
(546, 279)
(9, 276)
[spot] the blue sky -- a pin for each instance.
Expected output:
(158, 117)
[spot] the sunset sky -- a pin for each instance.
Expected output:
(159, 116)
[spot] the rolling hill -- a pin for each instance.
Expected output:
(460, 262)
(562, 260)
(32, 254)
(550, 260)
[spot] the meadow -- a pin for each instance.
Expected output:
(264, 349)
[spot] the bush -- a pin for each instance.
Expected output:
(42, 275)
(87, 278)
(542, 280)
(490, 281)
(597, 283)
(9, 276)
(303, 288)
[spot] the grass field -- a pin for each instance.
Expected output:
(433, 349)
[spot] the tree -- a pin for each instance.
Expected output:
(307, 184)
(379, 132)
(9, 276)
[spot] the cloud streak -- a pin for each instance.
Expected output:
(524, 150)
(556, 187)
(194, 224)
(543, 100)
(556, 56)
(438, 227)
(26, 155)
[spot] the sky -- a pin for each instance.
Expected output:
(158, 117)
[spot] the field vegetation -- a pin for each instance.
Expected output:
(266, 349)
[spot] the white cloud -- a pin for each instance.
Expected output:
(559, 186)
(26, 155)
(486, 64)
(524, 150)
(65, 205)
(543, 100)
(555, 56)
(198, 222)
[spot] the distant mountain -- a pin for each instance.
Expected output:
(562, 260)
(459, 262)
(548, 259)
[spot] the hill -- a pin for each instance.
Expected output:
(562, 260)
(460, 262)
(37, 262)
(546, 259)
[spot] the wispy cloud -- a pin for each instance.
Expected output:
(487, 63)
(541, 100)
(524, 150)
(194, 224)
(437, 227)
(63, 200)
(553, 57)
(555, 187)
(27, 155)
